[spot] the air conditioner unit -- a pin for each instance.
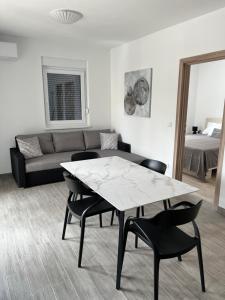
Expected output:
(8, 51)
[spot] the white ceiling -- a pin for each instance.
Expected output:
(109, 22)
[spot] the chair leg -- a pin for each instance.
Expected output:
(179, 258)
(74, 197)
(69, 218)
(65, 223)
(136, 237)
(100, 220)
(81, 242)
(143, 211)
(156, 277)
(201, 268)
(112, 217)
(165, 204)
(169, 203)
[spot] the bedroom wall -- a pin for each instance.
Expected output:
(192, 98)
(154, 137)
(210, 92)
(206, 93)
(21, 88)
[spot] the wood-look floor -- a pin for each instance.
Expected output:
(36, 264)
(206, 188)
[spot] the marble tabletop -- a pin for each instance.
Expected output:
(125, 184)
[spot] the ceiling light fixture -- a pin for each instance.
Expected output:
(66, 16)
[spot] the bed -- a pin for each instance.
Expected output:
(201, 152)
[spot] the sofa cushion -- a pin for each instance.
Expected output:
(126, 155)
(45, 140)
(92, 138)
(48, 161)
(53, 160)
(68, 141)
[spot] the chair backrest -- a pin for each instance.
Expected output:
(84, 155)
(154, 165)
(73, 184)
(176, 217)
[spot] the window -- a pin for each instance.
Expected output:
(65, 97)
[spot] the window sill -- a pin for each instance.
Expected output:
(67, 127)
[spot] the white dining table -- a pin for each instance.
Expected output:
(125, 185)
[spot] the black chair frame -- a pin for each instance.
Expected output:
(75, 188)
(86, 191)
(159, 167)
(154, 165)
(84, 155)
(166, 219)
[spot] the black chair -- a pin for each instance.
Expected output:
(86, 191)
(165, 238)
(82, 209)
(157, 166)
(154, 165)
(84, 155)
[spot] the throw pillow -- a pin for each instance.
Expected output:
(109, 141)
(30, 147)
(210, 127)
(216, 133)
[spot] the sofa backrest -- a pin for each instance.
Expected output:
(65, 141)
(45, 140)
(92, 138)
(68, 141)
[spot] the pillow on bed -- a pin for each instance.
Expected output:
(206, 131)
(210, 127)
(216, 126)
(216, 133)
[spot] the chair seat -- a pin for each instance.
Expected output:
(169, 242)
(79, 206)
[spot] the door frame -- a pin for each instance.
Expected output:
(181, 117)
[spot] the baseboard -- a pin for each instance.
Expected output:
(6, 173)
(221, 210)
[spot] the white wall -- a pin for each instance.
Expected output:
(161, 51)
(193, 86)
(21, 88)
(206, 93)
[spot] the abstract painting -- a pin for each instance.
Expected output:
(138, 88)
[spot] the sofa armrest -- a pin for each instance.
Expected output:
(18, 166)
(124, 146)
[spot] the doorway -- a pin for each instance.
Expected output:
(181, 118)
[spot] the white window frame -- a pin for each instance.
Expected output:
(63, 124)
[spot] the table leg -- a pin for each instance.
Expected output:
(137, 216)
(120, 248)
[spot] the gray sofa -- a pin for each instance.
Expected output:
(57, 147)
